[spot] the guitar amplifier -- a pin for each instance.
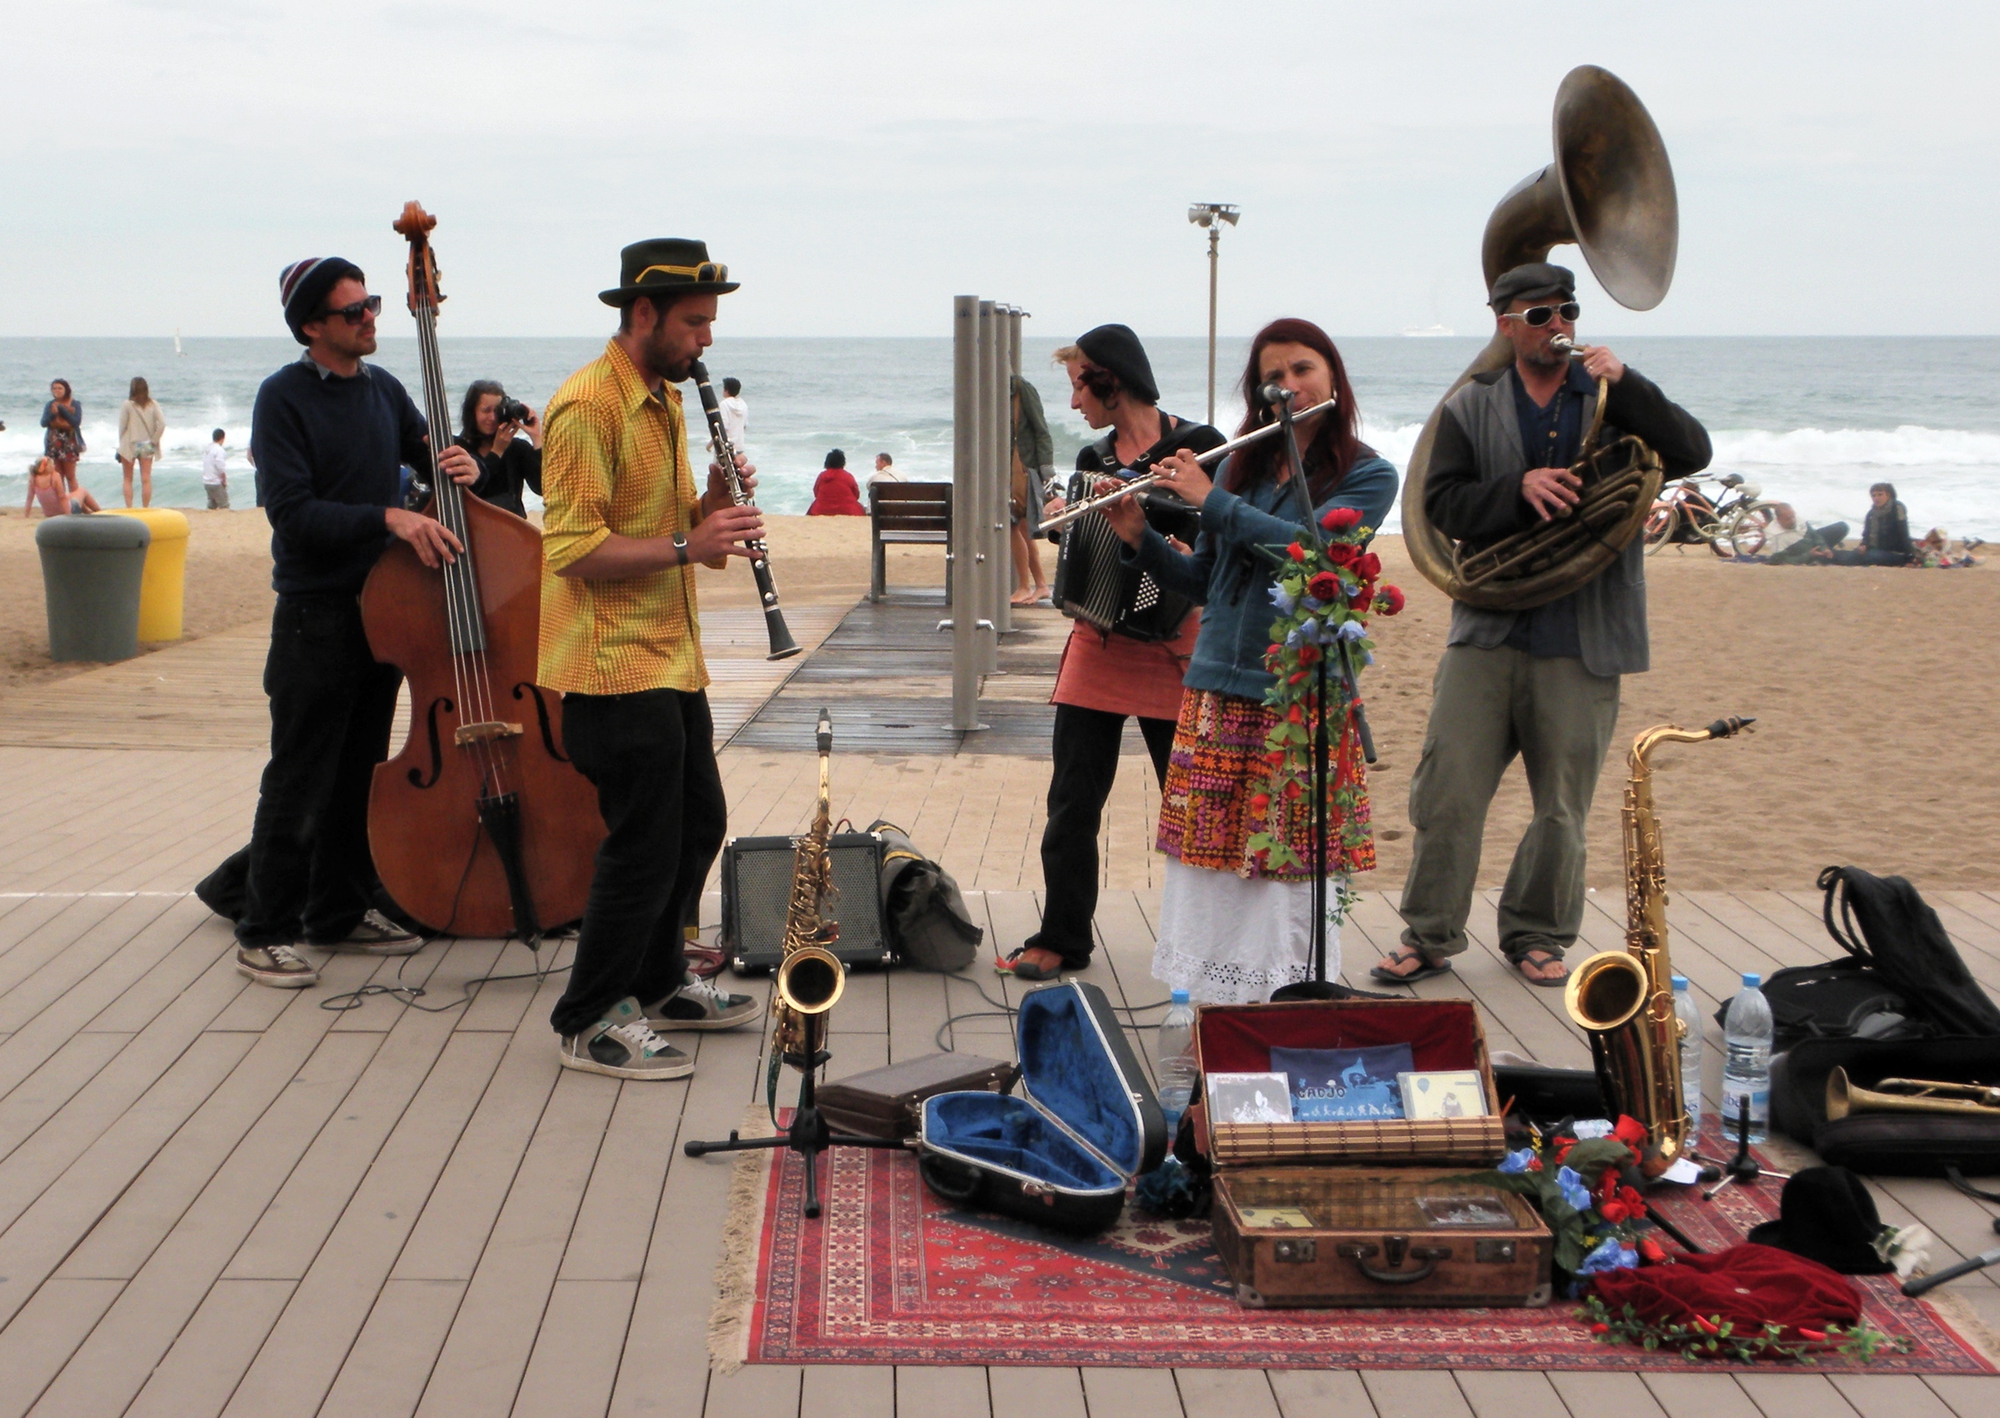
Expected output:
(757, 889)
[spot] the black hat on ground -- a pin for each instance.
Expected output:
(1531, 282)
(1115, 349)
(1827, 1215)
(667, 265)
(304, 285)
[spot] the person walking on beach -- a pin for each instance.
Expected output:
(508, 460)
(1033, 471)
(141, 428)
(1105, 677)
(62, 417)
(1543, 683)
(329, 432)
(215, 473)
(835, 493)
(620, 638)
(735, 413)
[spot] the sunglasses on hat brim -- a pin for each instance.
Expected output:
(1540, 315)
(707, 273)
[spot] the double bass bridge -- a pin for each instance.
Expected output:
(488, 732)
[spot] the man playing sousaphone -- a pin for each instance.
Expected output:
(1540, 683)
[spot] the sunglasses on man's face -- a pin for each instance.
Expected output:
(354, 314)
(1540, 315)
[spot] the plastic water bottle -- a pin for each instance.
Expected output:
(1746, 1030)
(1690, 1014)
(1176, 1060)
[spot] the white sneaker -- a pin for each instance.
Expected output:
(279, 966)
(621, 1045)
(702, 1004)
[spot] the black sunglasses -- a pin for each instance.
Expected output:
(1540, 315)
(372, 306)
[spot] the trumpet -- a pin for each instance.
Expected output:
(1907, 1095)
(1139, 484)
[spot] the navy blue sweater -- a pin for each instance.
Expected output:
(329, 455)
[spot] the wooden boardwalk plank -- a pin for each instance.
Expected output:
(935, 1391)
(575, 1359)
(1322, 1393)
(44, 1334)
(201, 1371)
(1795, 1396)
(1700, 1396)
(1507, 1393)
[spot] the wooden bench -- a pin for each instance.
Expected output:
(906, 512)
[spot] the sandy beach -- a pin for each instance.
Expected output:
(1874, 742)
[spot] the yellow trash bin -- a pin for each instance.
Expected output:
(166, 571)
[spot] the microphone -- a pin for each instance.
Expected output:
(1274, 393)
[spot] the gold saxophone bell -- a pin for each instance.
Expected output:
(810, 980)
(1907, 1095)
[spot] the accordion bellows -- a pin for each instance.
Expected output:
(1442, 1034)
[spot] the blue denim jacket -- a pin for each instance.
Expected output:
(1233, 581)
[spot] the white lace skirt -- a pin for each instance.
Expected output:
(1226, 940)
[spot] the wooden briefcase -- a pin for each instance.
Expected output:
(888, 1102)
(1333, 1237)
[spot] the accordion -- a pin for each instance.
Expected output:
(1093, 583)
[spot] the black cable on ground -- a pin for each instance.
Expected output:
(409, 994)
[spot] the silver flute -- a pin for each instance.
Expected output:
(1139, 484)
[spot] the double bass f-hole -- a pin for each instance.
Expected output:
(525, 690)
(418, 778)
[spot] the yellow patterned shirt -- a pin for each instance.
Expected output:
(614, 459)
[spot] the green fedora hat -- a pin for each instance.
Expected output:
(667, 265)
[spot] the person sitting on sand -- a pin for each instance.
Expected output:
(45, 485)
(1797, 543)
(836, 494)
(1885, 536)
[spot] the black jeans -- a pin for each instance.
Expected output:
(1086, 754)
(652, 758)
(331, 710)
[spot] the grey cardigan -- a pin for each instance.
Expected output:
(1472, 492)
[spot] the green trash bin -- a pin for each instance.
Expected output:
(91, 569)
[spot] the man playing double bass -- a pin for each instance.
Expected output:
(1540, 683)
(620, 639)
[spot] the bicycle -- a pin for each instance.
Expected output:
(1733, 523)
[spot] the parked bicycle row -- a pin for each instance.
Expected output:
(1736, 523)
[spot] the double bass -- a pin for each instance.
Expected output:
(480, 826)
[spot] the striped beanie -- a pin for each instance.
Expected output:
(303, 287)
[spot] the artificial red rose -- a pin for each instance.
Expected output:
(1261, 803)
(1631, 1198)
(1308, 654)
(1295, 714)
(1368, 566)
(1534, 1164)
(1615, 1212)
(1341, 554)
(1324, 586)
(1630, 1131)
(1296, 552)
(1651, 1251)
(1600, 1329)
(1292, 791)
(1297, 677)
(1276, 758)
(1563, 1145)
(1361, 595)
(1340, 519)
(1607, 1185)
(1389, 600)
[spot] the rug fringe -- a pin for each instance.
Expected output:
(736, 1267)
(1957, 1312)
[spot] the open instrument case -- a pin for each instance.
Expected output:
(1062, 1152)
(1356, 1213)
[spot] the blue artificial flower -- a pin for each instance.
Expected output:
(1572, 1188)
(1367, 657)
(1610, 1254)
(1284, 600)
(1313, 603)
(1352, 630)
(1518, 1161)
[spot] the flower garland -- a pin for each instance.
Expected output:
(1324, 594)
(1717, 1338)
(1575, 1183)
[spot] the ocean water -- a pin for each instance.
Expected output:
(1811, 421)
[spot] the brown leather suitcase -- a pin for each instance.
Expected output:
(887, 1102)
(1333, 1237)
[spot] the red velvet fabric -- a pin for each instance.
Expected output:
(1751, 1286)
(1237, 1038)
(836, 494)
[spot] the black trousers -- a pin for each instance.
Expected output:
(310, 874)
(651, 757)
(1086, 754)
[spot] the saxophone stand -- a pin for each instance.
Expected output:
(808, 1134)
(1319, 987)
(1743, 1168)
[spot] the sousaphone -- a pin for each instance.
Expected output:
(1610, 191)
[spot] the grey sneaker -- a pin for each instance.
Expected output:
(621, 1045)
(375, 935)
(702, 1004)
(279, 966)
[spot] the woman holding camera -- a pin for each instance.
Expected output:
(493, 425)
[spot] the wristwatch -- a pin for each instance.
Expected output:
(681, 548)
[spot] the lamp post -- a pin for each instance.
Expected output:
(1212, 215)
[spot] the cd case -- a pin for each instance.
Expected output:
(1455, 1094)
(1249, 1098)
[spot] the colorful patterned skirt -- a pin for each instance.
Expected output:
(1217, 767)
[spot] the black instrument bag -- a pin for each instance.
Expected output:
(1893, 1143)
(1062, 1152)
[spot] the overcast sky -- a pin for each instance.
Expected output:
(859, 164)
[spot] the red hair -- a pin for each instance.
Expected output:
(1333, 447)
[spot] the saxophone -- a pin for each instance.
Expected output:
(1624, 1000)
(809, 978)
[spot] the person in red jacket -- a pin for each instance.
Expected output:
(836, 494)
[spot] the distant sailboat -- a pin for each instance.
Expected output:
(1421, 332)
(177, 342)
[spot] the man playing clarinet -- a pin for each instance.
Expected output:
(621, 640)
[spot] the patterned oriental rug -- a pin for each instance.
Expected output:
(891, 1274)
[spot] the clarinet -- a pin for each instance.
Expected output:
(783, 647)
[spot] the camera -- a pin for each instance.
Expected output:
(512, 411)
